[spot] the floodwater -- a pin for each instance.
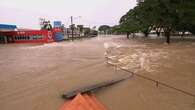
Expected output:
(34, 76)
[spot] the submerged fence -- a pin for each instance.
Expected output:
(150, 79)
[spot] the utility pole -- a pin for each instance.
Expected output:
(72, 28)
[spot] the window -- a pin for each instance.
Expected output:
(28, 37)
(34, 37)
(15, 37)
(39, 37)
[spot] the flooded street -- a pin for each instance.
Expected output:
(34, 76)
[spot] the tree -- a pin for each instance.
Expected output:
(116, 29)
(170, 15)
(160, 14)
(104, 28)
(45, 24)
(166, 15)
(129, 23)
(145, 22)
(186, 15)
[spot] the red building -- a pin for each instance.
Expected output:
(28, 36)
(33, 36)
(10, 34)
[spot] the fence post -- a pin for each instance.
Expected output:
(157, 83)
(107, 59)
(132, 73)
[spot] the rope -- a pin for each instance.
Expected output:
(152, 80)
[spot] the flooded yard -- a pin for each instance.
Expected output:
(34, 76)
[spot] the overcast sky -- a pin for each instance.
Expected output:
(26, 13)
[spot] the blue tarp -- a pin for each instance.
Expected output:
(7, 26)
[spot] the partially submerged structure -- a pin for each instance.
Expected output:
(5, 36)
(11, 34)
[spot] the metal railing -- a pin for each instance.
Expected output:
(152, 80)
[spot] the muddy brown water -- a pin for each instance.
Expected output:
(34, 76)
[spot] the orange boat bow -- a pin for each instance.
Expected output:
(83, 102)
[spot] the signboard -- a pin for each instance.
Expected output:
(57, 24)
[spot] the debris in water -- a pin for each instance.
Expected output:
(93, 87)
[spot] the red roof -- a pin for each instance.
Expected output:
(83, 102)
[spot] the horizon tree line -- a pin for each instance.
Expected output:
(167, 16)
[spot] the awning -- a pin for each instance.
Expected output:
(7, 27)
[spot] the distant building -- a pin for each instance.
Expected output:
(4, 28)
(78, 31)
(11, 34)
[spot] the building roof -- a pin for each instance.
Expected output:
(83, 102)
(7, 27)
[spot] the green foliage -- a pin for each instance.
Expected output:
(186, 15)
(104, 28)
(116, 29)
(129, 23)
(170, 15)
